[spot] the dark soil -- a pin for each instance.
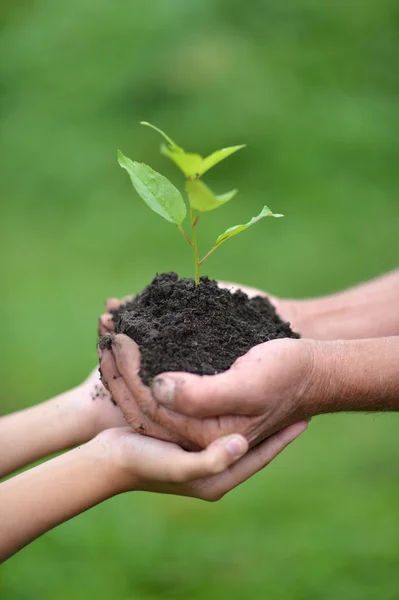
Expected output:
(204, 329)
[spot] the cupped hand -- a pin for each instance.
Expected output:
(131, 410)
(264, 391)
(137, 462)
(114, 386)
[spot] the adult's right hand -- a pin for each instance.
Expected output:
(267, 389)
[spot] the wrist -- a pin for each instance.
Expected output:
(338, 380)
(78, 423)
(93, 412)
(308, 376)
(322, 385)
(355, 375)
(95, 466)
(97, 411)
(108, 450)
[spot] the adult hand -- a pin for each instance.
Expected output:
(133, 414)
(264, 391)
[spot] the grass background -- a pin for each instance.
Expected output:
(312, 88)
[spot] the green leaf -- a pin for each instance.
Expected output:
(216, 157)
(156, 191)
(193, 165)
(203, 199)
(265, 212)
(187, 162)
(167, 138)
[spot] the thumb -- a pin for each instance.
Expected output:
(216, 458)
(232, 392)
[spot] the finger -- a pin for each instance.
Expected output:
(113, 304)
(256, 459)
(216, 458)
(133, 415)
(212, 395)
(105, 324)
(127, 356)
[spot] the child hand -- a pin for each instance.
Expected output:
(137, 462)
(116, 461)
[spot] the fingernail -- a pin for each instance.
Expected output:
(236, 446)
(163, 390)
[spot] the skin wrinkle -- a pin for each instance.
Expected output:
(316, 379)
(360, 379)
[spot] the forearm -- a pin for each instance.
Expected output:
(35, 432)
(356, 375)
(366, 311)
(39, 499)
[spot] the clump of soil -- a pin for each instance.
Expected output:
(203, 329)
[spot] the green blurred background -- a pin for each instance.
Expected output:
(312, 88)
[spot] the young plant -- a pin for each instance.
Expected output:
(166, 200)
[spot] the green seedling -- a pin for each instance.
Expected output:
(166, 200)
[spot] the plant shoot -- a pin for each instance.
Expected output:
(166, 200)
